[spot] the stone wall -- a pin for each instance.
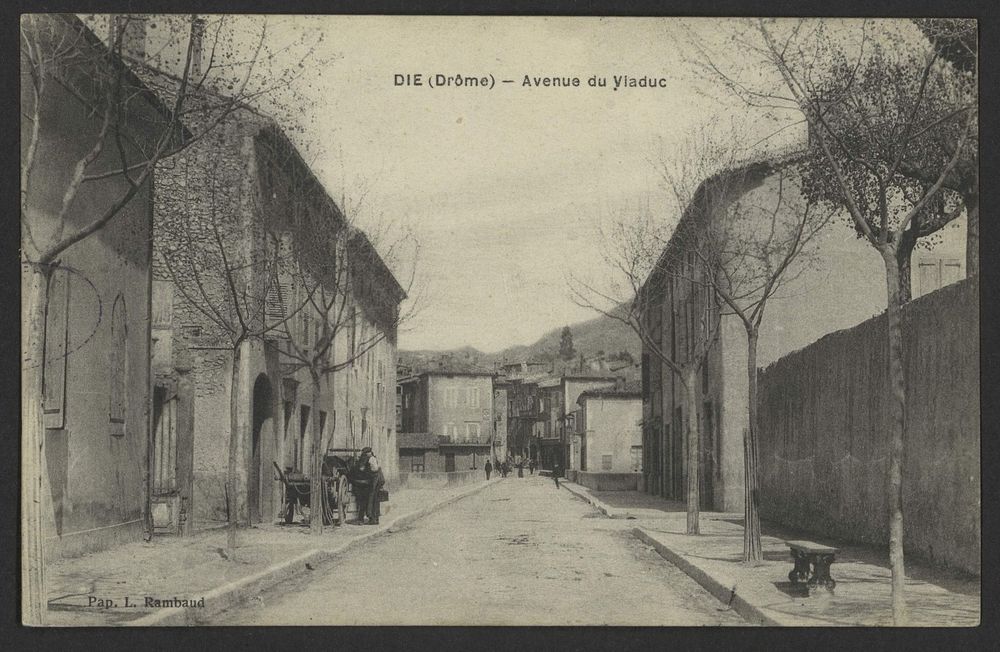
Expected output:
(824, 437)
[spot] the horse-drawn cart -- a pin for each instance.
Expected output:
(298, 491)
(338, 479)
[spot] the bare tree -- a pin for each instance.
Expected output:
(873, 112)
(208, 245)
(648, 258)
(754, 244)
(57, 52)
(340, 279)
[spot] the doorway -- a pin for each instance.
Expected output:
(165, 502)
(262, 407)
(449, 462)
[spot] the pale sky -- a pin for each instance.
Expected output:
(502, 187)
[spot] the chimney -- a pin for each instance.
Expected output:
(130, 30)
(197, 45)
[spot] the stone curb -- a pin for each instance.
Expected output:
(750, 612)
(233, 593)
(610, 512)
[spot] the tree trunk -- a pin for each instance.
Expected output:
(896, 424)
(232, 479)
(752, 551)
(972, 234)
(904, 256)
(35, 302)
(691, 432)
(316, 481)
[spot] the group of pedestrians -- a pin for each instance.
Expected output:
(504, 468)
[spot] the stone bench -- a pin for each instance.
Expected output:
(807, 554)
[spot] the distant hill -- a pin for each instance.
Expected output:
(589, 338)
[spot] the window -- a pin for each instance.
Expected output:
(303, 429)
(474, 397)
(636, 452)
(118, 368)
(57, 332)
(472, 431)
(451, 397)
(935, 273)
(163, 304)
(645, 376)
(607, 462)
(451, 430)
(354, 333)
(417, 462)
(289, 408)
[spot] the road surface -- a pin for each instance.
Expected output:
(519, 552)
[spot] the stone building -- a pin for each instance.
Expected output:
(247, 192)
(96, 370)
(457, 407)
(608, 424)
(841, 287)
(554, 432)
(523, 410)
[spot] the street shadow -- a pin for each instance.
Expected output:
(799, 590)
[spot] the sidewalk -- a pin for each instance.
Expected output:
(763, 594)
(92, 590)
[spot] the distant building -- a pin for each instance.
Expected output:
(608, 425)
(553, 431)
(524, 368)
(523, 412)
(457, 407)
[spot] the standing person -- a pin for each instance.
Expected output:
(556, 470)
(520, 469)
(531, 466)
(370, 466)
(489, 469)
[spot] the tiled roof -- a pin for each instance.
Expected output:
(631, 389)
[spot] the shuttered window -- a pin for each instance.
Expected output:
(118, 356)
(56, 343)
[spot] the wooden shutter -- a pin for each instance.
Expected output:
(275, 304)
(56, 343)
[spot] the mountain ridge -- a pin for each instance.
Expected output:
(591, 337)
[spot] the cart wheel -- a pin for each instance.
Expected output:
(831, 584)
(793, 576)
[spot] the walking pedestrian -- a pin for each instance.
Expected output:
(531, 466)
(556, 470)
(489, 469)
(520, 469)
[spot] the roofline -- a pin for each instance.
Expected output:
(444, 372)
(765, 164)
(609, 394)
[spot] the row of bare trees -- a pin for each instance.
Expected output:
(891, 110)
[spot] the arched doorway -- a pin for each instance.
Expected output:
(262, 406)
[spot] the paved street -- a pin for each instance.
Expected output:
(518, 553)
